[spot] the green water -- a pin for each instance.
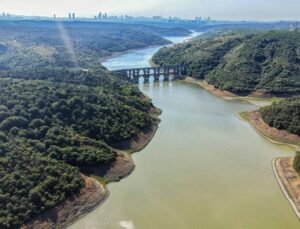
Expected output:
(205, 168)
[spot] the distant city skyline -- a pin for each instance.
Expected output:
(267, 10)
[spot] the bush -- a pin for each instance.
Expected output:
(296, 162)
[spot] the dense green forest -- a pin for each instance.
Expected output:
(267, 62)
(61, 110)
(30, 182)
(283, 115)
(53, 123)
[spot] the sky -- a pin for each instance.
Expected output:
(267, 10)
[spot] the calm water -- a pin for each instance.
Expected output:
(205, 168)
(140, 58)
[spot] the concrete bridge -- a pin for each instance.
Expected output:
(156, 73)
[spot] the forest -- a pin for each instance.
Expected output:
(283, 115)
(59, 122)
(242, 62)
(61, 110)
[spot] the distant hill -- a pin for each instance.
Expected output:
(38, 44)
(265, 62)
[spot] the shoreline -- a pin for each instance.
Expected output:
(280, 137)
(142, 139)
(95, 192)
(92, 195)
(226, 95)
(287, 178)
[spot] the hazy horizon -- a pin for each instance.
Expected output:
(268, 10)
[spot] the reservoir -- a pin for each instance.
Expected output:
(204, 168)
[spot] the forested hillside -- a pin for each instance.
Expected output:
(267, 62)
(284, 115)
(60, 110)
(30, 182)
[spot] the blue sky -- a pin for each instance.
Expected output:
(219, 9)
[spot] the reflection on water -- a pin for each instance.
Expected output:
(151, 80)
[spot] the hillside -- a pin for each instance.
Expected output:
(60, 113)
(51, 122)
(265, 62)
(284, 115)
(34, 44)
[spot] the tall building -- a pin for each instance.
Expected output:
(73, 16)
(70, 16)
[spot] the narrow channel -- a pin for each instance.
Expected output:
(204, 168)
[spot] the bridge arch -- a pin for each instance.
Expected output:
(151, 79)
(141, 72)
(150, 74)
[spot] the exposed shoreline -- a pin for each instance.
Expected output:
(274, 135)
(287, 178)
(94, 193)
(226, 95)
(281, 137)
(74, 207)
(289, 181)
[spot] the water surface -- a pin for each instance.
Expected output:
(205, 168)
(140, 58)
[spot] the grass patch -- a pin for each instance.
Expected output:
(101, 180)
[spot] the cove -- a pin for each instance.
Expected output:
(204, 168)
